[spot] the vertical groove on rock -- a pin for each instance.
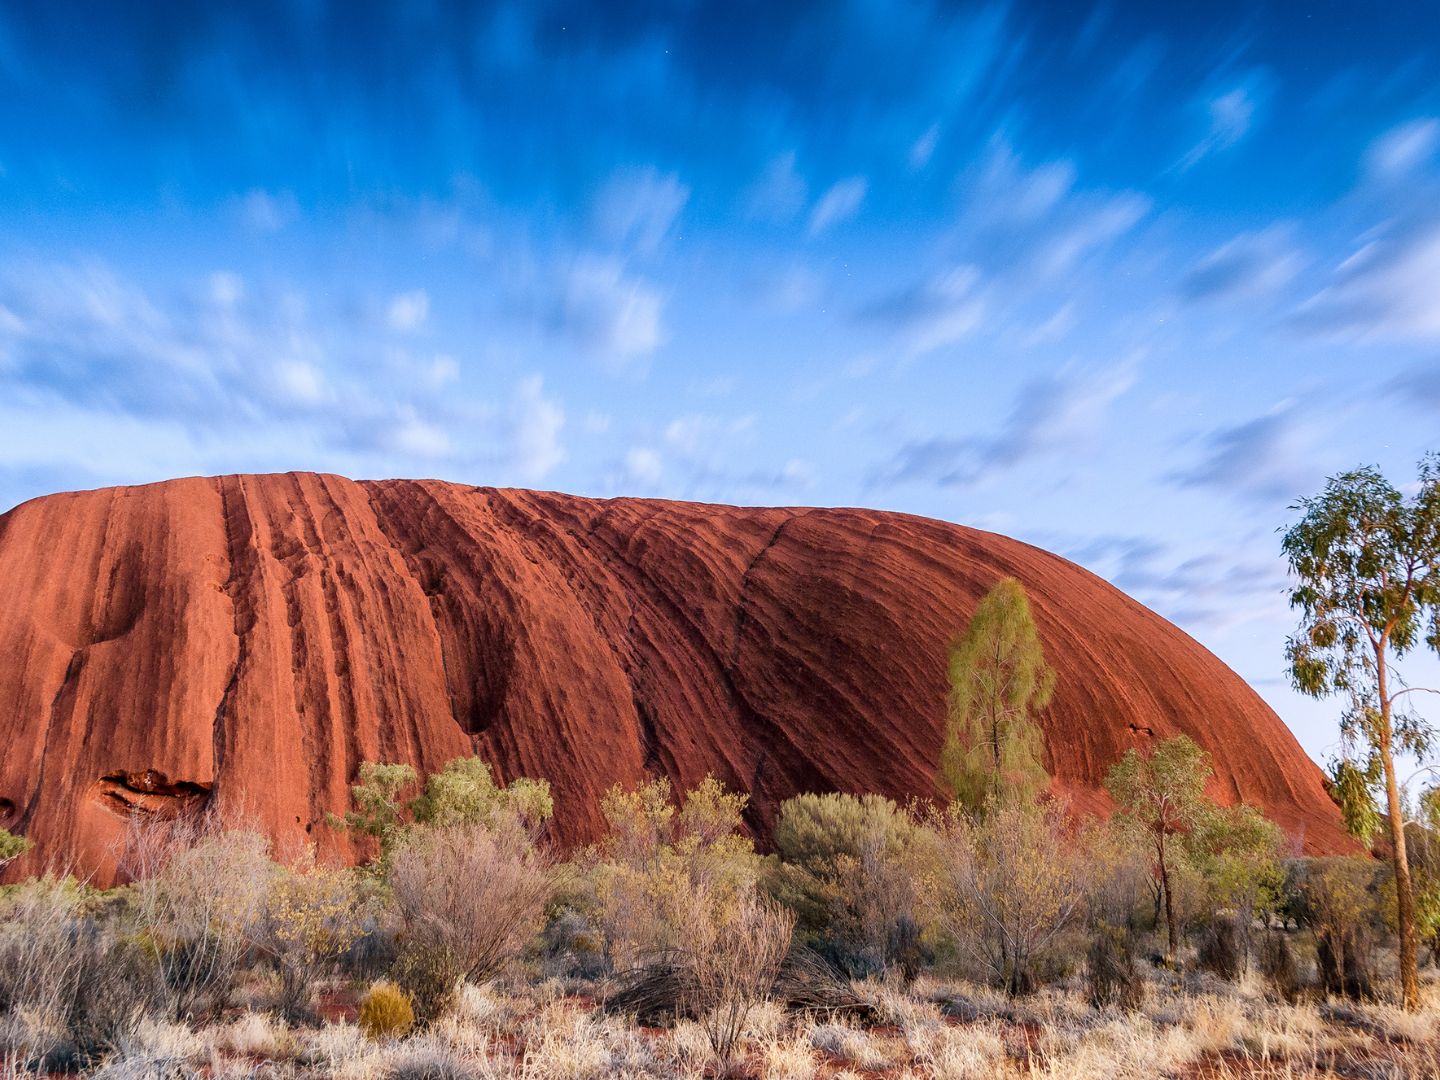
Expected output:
(240, 550)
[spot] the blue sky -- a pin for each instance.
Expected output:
(1121, 280)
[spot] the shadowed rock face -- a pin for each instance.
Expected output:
(246, 641)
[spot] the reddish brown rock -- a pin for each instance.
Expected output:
(248, 640)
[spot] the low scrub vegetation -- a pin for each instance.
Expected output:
(1001, 939)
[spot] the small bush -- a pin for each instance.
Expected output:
(848, 872)
(12, 847)
(430, 974)
(428, 1061)
(196, 896)
(1111, 977)
(1337, 901)
(658, 857)
(72, 984)
(1277, 964)
(1220, 949)
(474, 893)
(735, 966)
(309, 917)
(385, 1012)
(1006, 887)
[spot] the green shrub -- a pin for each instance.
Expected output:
(658, 858)
(429, 973)
(12, 847)
(462, 793)
(385, 1012)
(1277, 964)
(847, 869)
(1111, 978)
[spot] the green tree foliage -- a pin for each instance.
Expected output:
(12, 847)
(379, 809)
(999, 680)
(847, 870)
(1366, 562)
(1239, 855)
(462, 793)
(662, 867)
(465, 793)
(1162, 796)
(1234, 853)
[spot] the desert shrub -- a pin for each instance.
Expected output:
(1337, 901)
(643, 880)
(12, 847)
(71, 981)
(430, 975)
(572, 945)
(1007, 886)
(197, 893)
(1237, 854)
(420, 1060)
(1220, 950)
(726, 969)
(308, 917)
(1111, 977)
(385, 1012)
(477, 893)
(1277, 964)
(735, 965)
(465, 793)
(462, 793)
(848, 871)
(1120, 884)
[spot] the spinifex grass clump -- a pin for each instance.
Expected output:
(385, 1012)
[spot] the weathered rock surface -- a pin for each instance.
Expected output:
(248, 640)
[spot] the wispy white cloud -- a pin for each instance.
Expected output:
(596, 305)
(268, 212)
(839, 204)
(408, 311)
(1230, 114)
(235, 375)
(1062, 412)
(1265, 459)
(1250, 265)
(1403, 150)
(1387, 291)
(535, 426)
(638, 208)
(779, 193)
(923, 148)
(940, 311)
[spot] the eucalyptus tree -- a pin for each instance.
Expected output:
(1366, 564)
(1162, 796)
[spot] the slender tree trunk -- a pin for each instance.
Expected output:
(1170, 927)
(1404, 892)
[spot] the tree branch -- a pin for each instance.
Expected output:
(1413, 690)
